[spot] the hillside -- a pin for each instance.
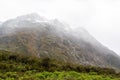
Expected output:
(20, 67)
(36, 36)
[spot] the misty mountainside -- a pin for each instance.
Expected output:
(34, 35)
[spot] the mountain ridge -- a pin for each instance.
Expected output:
(49, 38)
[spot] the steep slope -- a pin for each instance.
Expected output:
(37, 36)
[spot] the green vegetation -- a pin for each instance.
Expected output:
(64, 75)
(20, 67)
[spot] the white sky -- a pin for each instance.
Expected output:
(100, 17)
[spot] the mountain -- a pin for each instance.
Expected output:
(37, 36)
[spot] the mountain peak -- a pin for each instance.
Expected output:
(32, 17)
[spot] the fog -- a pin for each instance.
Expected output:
(99, 17)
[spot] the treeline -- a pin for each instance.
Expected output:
(20, 63)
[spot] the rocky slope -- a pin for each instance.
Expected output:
(34, 35)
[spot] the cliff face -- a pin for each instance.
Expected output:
(36, 36)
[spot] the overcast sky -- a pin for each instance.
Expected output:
(100, 17)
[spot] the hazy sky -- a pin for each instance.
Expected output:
(100, 17)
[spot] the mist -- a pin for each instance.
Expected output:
(100, 18)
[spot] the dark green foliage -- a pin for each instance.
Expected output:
(11, 62)
(45, 62)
